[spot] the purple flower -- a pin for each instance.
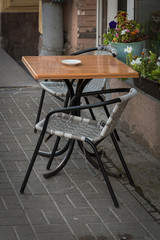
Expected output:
(112, 24)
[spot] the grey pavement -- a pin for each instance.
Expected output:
(12, 75)
(75, 204)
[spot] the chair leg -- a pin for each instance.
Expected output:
(122, 159)
(32, 162)
(113, 196)
(63, 162)
(66, 100)
(57, 153)
(40, 108)
(53, 153)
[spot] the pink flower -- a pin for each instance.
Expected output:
(127, 30)
(117, 29)
(117, 35)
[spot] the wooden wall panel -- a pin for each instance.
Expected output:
(19, 5)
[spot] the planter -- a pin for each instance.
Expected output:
(137, 49)
(148, 86)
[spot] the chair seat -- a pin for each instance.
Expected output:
(59, 89)
(73, 127)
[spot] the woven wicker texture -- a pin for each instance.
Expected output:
(69, 126)
(59, 89)
(78, 128)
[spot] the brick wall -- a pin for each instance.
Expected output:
(87, 19)
(79, 24)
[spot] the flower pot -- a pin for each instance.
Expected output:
(137, 49)
(148, 86)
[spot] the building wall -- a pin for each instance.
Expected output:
(20, 34)
(79, 25)
(140, 120)
(19, 27)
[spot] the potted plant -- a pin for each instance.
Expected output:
(123, 31)
(148, 67)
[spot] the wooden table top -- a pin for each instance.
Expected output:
(91, 66)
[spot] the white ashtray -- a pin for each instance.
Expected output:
(70, 61)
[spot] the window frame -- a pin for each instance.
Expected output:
(111, 11)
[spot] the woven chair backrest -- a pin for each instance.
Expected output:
(97, 83)
(116, 113)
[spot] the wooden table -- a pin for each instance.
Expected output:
(91, 66)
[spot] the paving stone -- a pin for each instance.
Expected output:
(153, 228)
(6, 191)
(36, 217)
(17, 157)
(36, 201)
(2, 206)
(25, 233)
(72, 205)
(57, 236)
(101, 231)
(77, 200)
(148, 207)
(3, 147)
(156, 215)
(7, 233)
(10, 166)
(134, 229)
(11, 202)
(51, 228)
(82, 231)
(54, 216)
(12, 217)
(3, 178)
(1, 168)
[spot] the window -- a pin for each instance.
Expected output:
(147, 13)
(107, 10)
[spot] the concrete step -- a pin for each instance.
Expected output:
(12, 74)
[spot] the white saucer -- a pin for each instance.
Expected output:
(70, 61)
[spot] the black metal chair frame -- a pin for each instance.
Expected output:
(74, 110)
(80, 86)
(70, 94)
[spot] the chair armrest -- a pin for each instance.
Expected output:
(101, 92)
(84, 51)
(110, 90)
(76, 108)
(81, 107)
(107, 48)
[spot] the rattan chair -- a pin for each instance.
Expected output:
(60, 90)
(65, 124)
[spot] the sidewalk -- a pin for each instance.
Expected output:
(74, 204)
